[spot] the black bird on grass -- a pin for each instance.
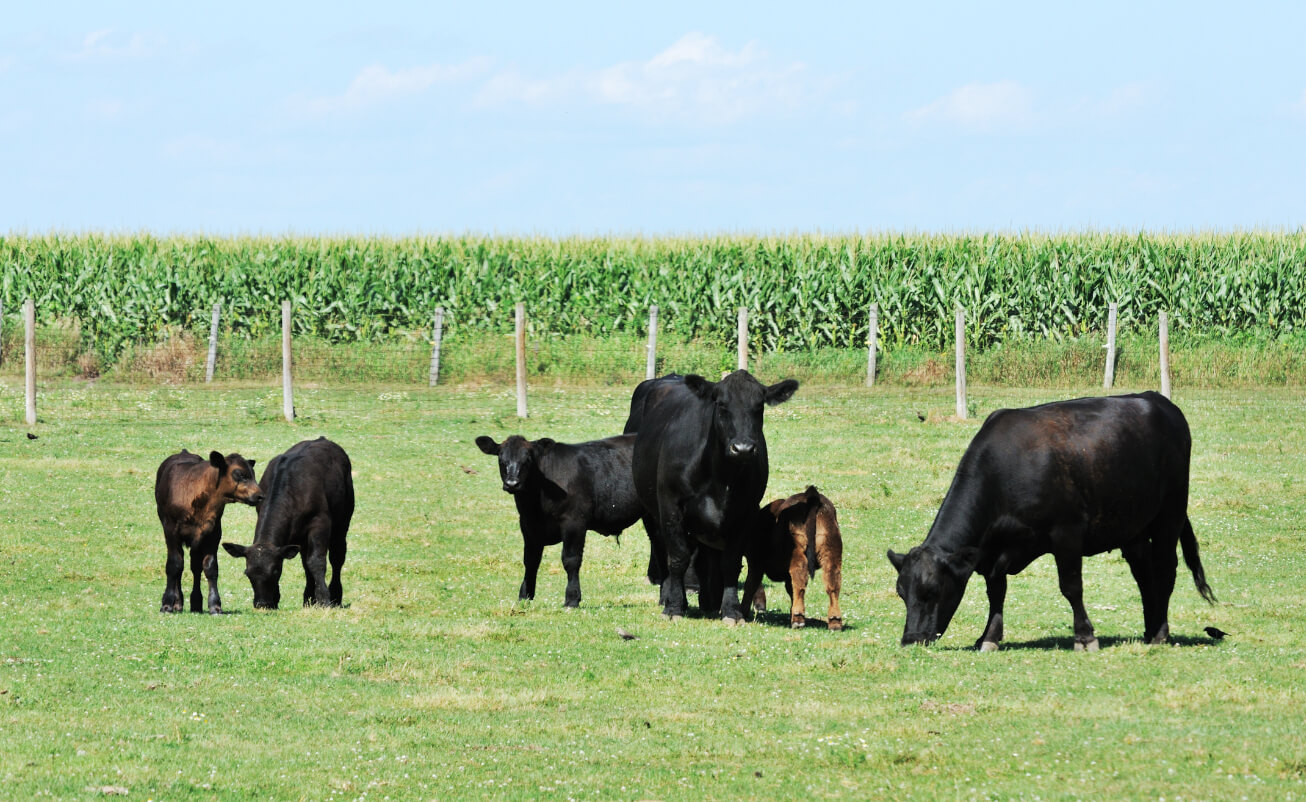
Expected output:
(1217, 634)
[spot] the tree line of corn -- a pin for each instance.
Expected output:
(802, 291)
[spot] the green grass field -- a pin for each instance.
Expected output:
(433, 682)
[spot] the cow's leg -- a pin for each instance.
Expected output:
(573, 552)
(832, 575)
(657, 555)
(996, 585)
(829, 554)
(532, 551)
(752, 586)
(672, 532)
(210, 566)
(1070, 577)
(317, 541)
(707, 562)
(197, 555)
(337, 556)
(1139, 556)
(309, 588)
(172, 568)
(797, 585)
(1164, 564)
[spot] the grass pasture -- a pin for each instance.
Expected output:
(433, 682)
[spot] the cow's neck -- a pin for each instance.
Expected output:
(961, 520)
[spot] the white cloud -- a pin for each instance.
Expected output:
(376, 84)
(1001, 106)
(1011, 107)
(109, 44)
(695, 79)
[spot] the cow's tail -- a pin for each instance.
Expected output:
(1188, 541)
(813, 509)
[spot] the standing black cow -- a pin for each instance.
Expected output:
(308, 505)
(700, 472)
(1070, 479)
(562, 490)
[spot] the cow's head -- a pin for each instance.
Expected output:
(517, 458)
(737, 402)
(263, 563)
(931, 585)
(236, 479)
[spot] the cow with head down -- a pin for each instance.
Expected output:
(190, 494)
(1070, 479)
(700, 469)
(307, 511)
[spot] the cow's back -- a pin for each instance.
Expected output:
(181, 479)
(1112, 464)
(312, 477)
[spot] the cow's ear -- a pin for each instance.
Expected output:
(218, 461)
(897, 560)
(963, 561)
(251, 465)
(780, 392)
(699, 386)
(289, 551)
(235, 550)
(487, 444)
(544, 445)
(791, 502)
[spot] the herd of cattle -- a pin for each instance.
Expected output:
(1070, 479)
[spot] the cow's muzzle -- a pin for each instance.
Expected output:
(742, 449)
(918, 639)
(511, 486)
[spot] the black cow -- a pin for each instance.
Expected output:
(561, 491)
(308, 506)
(190, 494)
(1070, 479)
(700, 472)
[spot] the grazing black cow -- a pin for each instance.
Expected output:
(190, 494)
(1070, 479)
(700, 472)
(795, 536)
(561, 491)
(309, 503)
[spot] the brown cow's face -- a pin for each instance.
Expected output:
(517, 458)
(263, 564)
(931, 585)
(236, 479)
(738, 401)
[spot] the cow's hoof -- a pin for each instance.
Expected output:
(672, 618)
(215, 611)
(797, 622)
(1091, 646)
(992, 646)
(732, 622)
(835, 624)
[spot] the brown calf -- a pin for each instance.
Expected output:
(190, 493)
(795, 536)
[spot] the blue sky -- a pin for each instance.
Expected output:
(671, 118)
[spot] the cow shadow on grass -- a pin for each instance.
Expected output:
(1067, 642)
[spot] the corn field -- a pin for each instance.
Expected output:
(802, 291)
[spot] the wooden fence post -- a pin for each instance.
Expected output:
(1165, 355)
(437, 335)
(651, 363)
(213, 343)
(1109, 377)
(521, 360)
(961, 363)
(872, 335)
(743, 339)
(287, 391)
(29, 343)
